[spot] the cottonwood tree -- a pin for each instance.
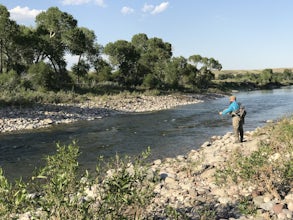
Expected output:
(54, 28)
(176, 71)
(9, 30)
(123, 56)
(81, 42)
(155, 54)
(203, 70)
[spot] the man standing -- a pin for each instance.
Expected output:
(237, 121)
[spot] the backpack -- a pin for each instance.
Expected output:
(241, 112)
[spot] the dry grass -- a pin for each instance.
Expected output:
(256, 71)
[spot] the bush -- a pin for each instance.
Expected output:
(9, 81)
(150, 81)
(127, 188)
(41, 76)
(121, 190)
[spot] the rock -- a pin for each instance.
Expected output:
(277, 208)
(290, 205)
(224, 200)
(206, 144)
(258, 200)
(48, 121)
(288, 213)
(268, 206)
(157, 162)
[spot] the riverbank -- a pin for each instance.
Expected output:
(200, 184)
(40, 116)
(191, 184)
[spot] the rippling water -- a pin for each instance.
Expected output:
(167, 132)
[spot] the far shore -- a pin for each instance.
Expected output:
(46, 115)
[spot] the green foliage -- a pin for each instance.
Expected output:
(58, 185)
(41, 76)
(251, 166)
(9, 81)
(288, 171)
(266, 78)
(38, 55)
(127, 187)
(59, 191)
(246, 206)
(172, 213)
(150, 81)
(80, 69)
(124, 56)
(23, 97)
(5, 189)
(13, 197)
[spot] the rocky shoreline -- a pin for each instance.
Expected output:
(189, 189)
(40, 116)
(188, 184)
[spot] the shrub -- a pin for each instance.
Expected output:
(59, 191)
(127, 188)
(9, 81)
(150, 81)
(41, 76)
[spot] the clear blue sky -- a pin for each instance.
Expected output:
(240, 34)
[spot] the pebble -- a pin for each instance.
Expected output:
(40, 116)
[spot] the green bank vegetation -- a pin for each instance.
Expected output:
(253, 79)
(120, 188)
(33, 64)
(123, 187)
(33, 60)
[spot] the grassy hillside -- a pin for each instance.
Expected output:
(256, 71)
(226, 80)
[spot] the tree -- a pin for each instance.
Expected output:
(54, 28)
(287, 74)
(266, 76)
(123, 56)
(140, 42)
(9, 30)
(81, 42)
(203, 76)
(213, 64)
(103, 71)
(80, 69)
(26, 49)
(176, 70)
(154, 57)
(195, 60)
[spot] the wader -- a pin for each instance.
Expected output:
(237, 123)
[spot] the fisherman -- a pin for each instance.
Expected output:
(237, 120)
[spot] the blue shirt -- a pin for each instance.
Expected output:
(232, 108)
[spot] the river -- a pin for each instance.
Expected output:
(168, 132)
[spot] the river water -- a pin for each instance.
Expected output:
(168, 132)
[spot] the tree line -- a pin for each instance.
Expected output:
(262, 78)
(34, 58)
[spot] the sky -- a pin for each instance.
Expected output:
(240, 34)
